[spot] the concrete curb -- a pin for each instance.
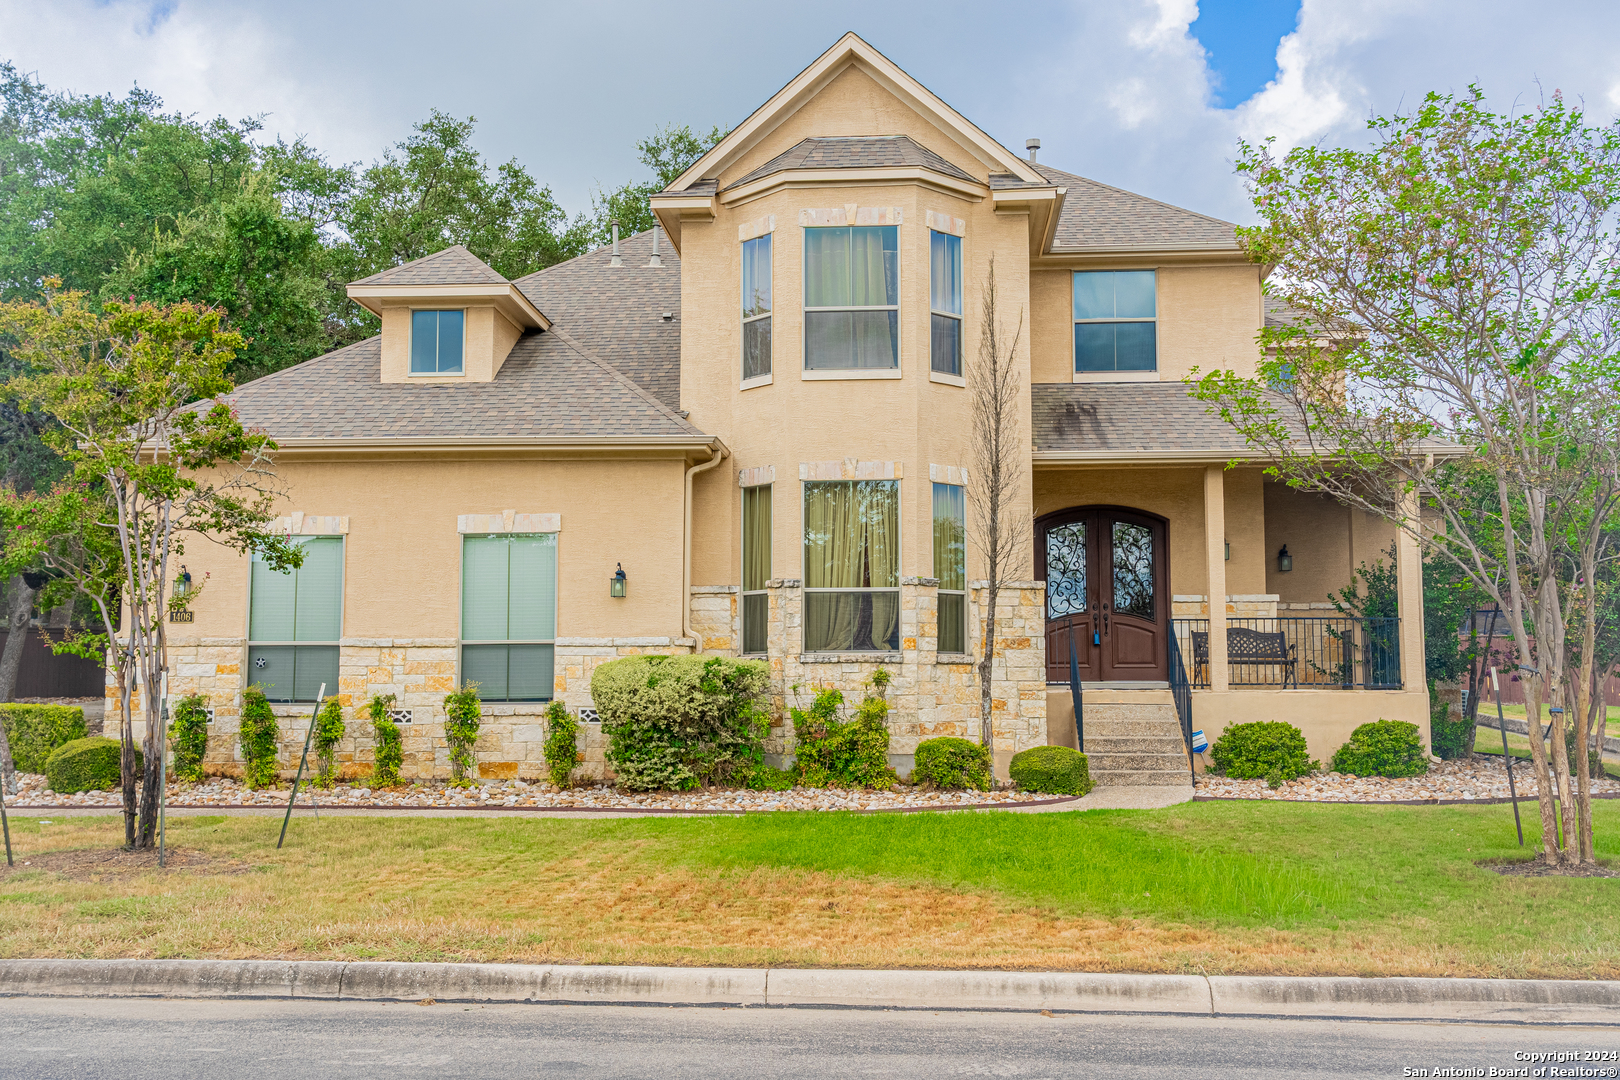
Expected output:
(1513, 1001)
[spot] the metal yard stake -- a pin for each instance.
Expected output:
(320, 699)
(1074, 691)
(5, 824)
(1507, 759)
(163, 762)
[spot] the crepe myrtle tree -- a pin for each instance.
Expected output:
(154, 461)
(1457, 289)
(1000, 523)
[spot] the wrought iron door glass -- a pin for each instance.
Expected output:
(1066, 570)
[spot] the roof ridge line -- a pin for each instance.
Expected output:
(591, 357)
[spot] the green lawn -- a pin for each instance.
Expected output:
(1489, 741)
(1216, 887)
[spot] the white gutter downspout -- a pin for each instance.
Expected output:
(716, 456)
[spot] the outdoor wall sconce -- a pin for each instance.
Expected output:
(1285, 561)
(617, 583)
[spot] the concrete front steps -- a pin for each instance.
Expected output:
(1133, 735)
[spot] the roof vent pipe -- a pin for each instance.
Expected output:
(657, 259)
(1032, 145)
(617, 260)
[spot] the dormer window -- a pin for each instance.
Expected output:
(852, 298)
(437, 338)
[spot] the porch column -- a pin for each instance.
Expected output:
(1409, 588)
(1215, 559)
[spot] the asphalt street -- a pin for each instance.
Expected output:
(183, 1039)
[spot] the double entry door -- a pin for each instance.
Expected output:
(1107, 594)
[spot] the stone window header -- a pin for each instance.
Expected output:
(508, 521)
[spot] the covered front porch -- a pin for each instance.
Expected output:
(1133, 553)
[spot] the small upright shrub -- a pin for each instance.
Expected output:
(463, 715)
(1383, 748)
(35, 730)
(189, 729)
(765, 777)
(562, 744)
(952, 764)
(329, 731)
(1450, 738)
(831, 751)
(390, 753)
(87, 765)
(1051, 770)
(259, 738)
(677, 722)
(1260, 749)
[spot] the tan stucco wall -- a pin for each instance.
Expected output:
(1208, 319)
(489, 338)
(1326, 717)
(852, 103)
(402, 555)
(911, 420)
(1327, 539)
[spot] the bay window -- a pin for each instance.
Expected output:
(950, 565)
(852, 566)
(756, 568)
(945, 303)
(756, 307)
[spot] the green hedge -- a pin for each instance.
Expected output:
(86, 765)
(952, 764)
(188, 729)
(1383, 748)
(1053, 770)
(35, 730)
(677, 722)
(1272, 750)
(562, 745)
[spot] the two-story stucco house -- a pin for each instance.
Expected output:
(760, 413)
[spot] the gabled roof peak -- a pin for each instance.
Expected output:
(455, 265)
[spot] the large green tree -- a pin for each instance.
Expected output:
(1459, 290)
(667, 152)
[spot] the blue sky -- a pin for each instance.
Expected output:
(1150, 95)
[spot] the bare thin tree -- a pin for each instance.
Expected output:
(1000, 521)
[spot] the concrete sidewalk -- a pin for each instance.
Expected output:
(1513, 1001)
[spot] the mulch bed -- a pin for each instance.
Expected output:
(1538, 868)
(96, 865)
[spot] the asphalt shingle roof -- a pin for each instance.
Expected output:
(549, 387)
(874, 152)
(452, 266)
(1098, 216)
(618, 312)
(1127, 417)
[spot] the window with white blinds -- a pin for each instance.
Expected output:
(509, 615)
(295, 619)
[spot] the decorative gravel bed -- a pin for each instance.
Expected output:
(1482, 778)
(33, 794)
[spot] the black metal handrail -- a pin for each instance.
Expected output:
(1182, 693)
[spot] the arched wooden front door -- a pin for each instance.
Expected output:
(1107, 585)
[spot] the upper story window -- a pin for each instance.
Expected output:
(852, 298)
(945, 303)
(436, 342)
(294, 622)
(756, 306)
(1114, 321)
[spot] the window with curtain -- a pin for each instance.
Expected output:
(945, 302)
(509, 615)
(295, 619)
(756, 568)
(436, 340)
(852, 565)
(852, 298)
(1115, 326)
(950, 565)
(756, 307)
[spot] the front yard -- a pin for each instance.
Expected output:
(1203, 887)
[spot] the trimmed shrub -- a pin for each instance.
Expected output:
(769, 778)
(390, 753)
(1052, 770)
(1262, 749)
(36, 730)
(463, 716)
(952, 764)
(834, 752)
(1383, 748)
(87, 765)
(260, 740)
(189, 730)
(677, 722)
(329, 731)
(562, 744)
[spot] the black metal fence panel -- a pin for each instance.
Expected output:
(44, 674)
(1317, 653)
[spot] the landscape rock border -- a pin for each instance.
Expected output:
(1500, 1001)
